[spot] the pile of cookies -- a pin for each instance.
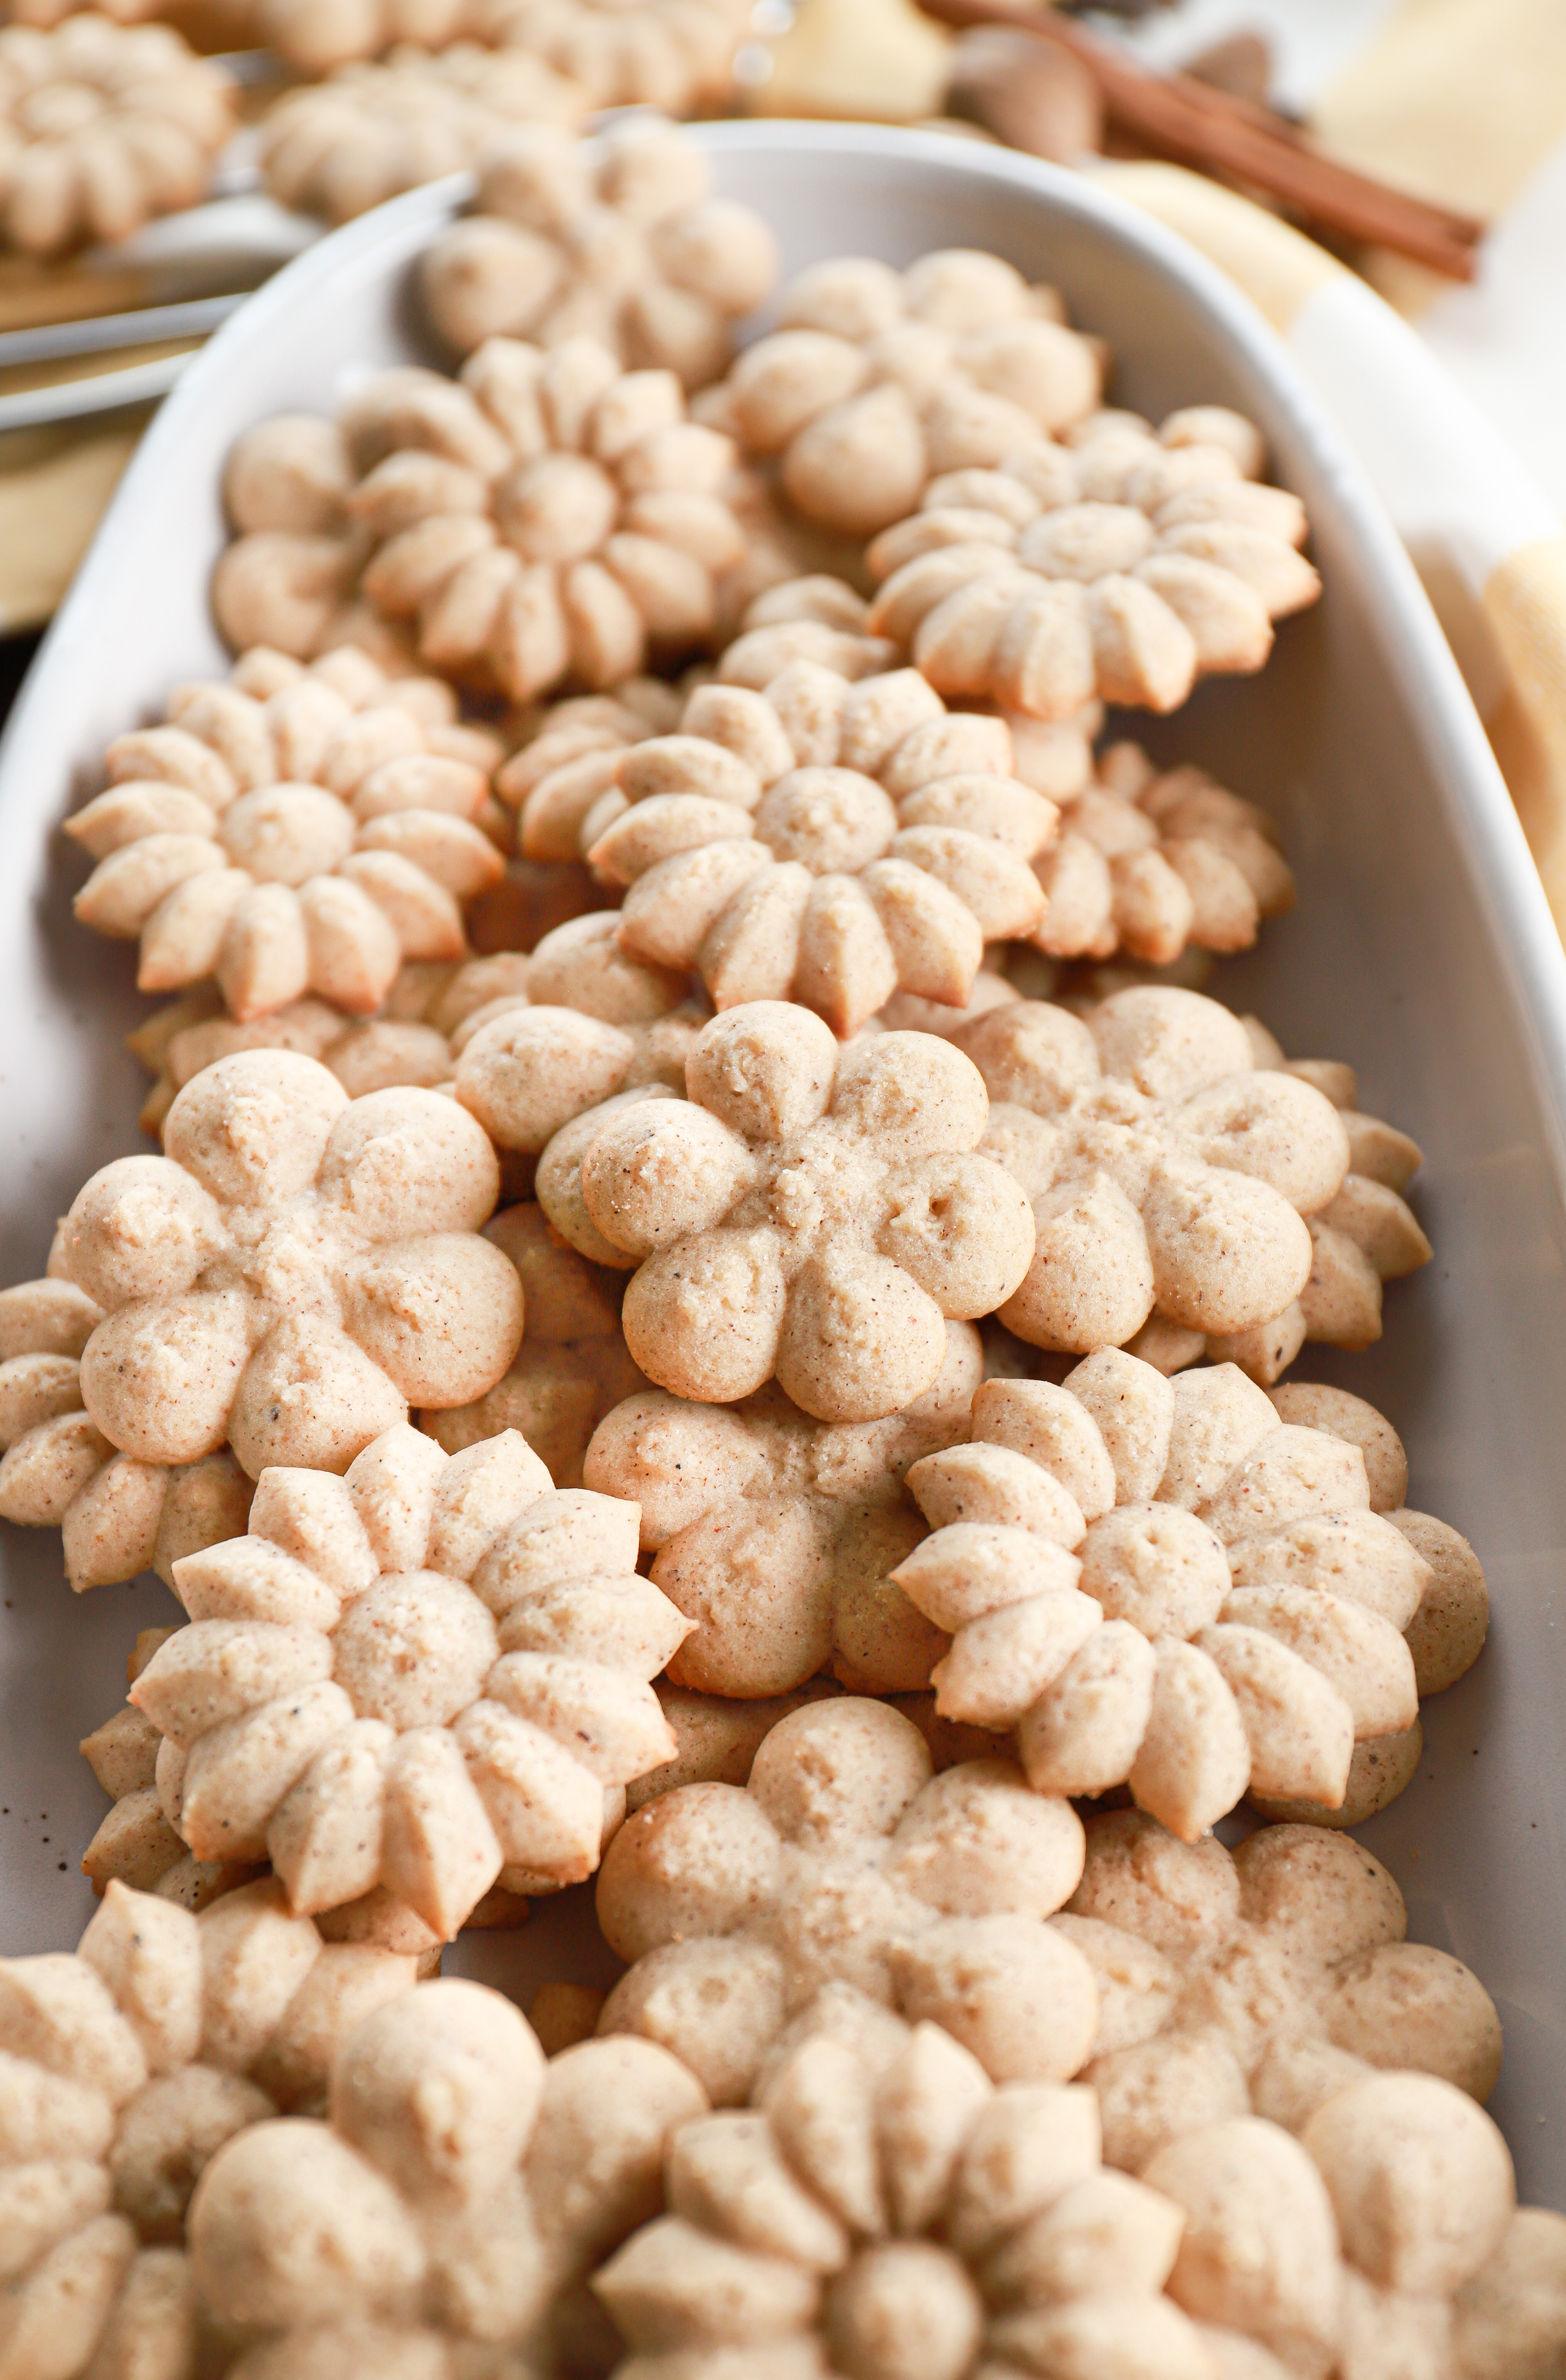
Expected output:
(713, 1313)
(108, 120)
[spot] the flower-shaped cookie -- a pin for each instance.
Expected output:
(128, 2064)
(828, 842)
(879, 382)
(421, 1677)
(1189, 1193)
(845, 1861)
(1256, 1981)
(1247, 1561)
(289, 578)
(1151, 863)
(447, 2216)
(295, 1273)
(293, 831)
(103, 127)
(776, 1536)
(116, 1516)
(549, 514)
(620, 239)
(337, 147)
(885, 2209)
(810, 1212)
(1276, 1984)
(1125, 563)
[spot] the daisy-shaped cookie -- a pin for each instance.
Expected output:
(885, 2209)
(295, 1273)
(1126, 564)
(808, 1212)
(293, 831)
(116, 1516)
(128, 2063)
(827, 842)
(879, 382)
(776, 1535)
(445, 2214)
(289, 579)
(549, 514)
(1190, 1194)
(620, 239)
(104, 126)
(845, 1861)
(423, 1676)
(1247, 1561)
(337, 147)
(1151, 863)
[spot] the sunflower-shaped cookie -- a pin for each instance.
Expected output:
(777, 1535)
(827, 843)
(103, 127)
(810, 1212)
(880, 381)
(421, 1677)
(128, 2063)
(845, 1861)
(445, 2214)
(884, 2208)
(1191, 1587)
(1125, 563)
(337, 147)
(293, 831)
(279, 1287)
(548, 514)
(1188, 1191)
(619, 238)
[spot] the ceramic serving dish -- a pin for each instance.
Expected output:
(1421, 950)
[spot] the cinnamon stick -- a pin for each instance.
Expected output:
(1192, 123)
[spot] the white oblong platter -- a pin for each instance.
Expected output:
(1421, 950)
